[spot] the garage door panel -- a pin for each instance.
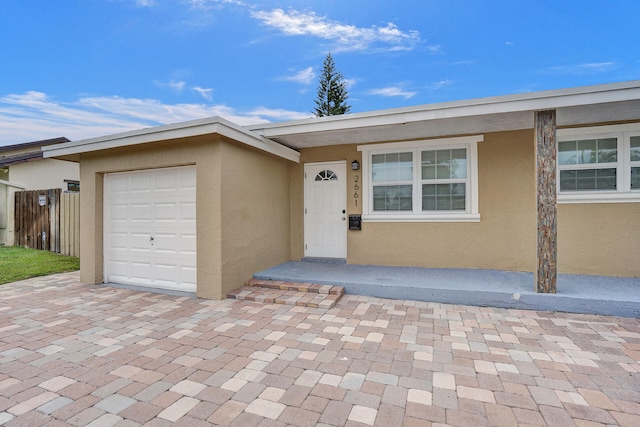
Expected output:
(140, 268)
(118, 240)
(188, 181)
(118, 267)
(188, 211)
(118, 212)
(141, 212)
(150, 228)
(189, 275)
(119, 184)
(168, 179)
(140, 182)
(167, 272)
(139, 242)
(188, 244)
(168, 243)
(166, 211)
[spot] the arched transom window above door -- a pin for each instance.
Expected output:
(326, 175)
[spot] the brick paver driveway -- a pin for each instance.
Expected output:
(74, 354)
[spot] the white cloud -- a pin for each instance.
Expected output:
(440, 84)
(177, 86)
(279, 114)
(587, 68)
(146, 3)
(463, 62)
(174, 85)
(210, 4)
(33, 116)
(346, 37)
(303, 77)
(204, 92)
(392, 91)
(349, 83)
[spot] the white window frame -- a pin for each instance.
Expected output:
(470, 214)
(623, 192)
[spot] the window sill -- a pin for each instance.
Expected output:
(566, 198)
(443, 217)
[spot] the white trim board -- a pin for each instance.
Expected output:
(215, 125)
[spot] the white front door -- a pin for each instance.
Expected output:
(150, 228)
(325, 219)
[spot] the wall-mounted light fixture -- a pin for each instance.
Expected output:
(355, 165)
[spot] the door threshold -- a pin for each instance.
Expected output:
(325, 260)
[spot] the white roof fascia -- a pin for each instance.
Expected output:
(213, 125)
(534, 101)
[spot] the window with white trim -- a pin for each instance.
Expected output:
(599, 164)
(431, 180)
(634, 162)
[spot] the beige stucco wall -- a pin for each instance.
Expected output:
(202, 152)
(242, 202)
(44, 174)
(599, 239)
(503, 239)
(594, 239)
(7, 216)
(7, 194)
(255, 213)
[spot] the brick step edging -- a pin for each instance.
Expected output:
(283, 296)
(297, 286)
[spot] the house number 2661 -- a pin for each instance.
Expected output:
(356, 187)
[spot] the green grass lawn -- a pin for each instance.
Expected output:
(18, 263)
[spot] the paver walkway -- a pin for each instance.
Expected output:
(74, 354)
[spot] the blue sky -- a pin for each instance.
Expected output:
(85, 68)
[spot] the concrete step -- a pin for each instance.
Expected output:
(289, 293)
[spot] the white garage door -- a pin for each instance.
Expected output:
(150, 228)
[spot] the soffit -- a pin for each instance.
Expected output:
(483, 123)
(587, 105)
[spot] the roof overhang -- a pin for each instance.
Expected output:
(576, 106)
(614, 102)
(208, 126)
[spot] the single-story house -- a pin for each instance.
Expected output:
(22, 167)
(546, 181)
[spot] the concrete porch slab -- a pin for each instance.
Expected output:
(613, 296)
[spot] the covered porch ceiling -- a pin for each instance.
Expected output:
(608, 103)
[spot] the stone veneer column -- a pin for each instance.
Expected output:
(547, 247)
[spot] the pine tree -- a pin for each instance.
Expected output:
(332, 91)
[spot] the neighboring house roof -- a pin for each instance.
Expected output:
(10, 160)
(213, 125)
(575, 106)
(41, 143)
(20, 158)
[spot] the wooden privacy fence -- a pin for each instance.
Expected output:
(48, 220)
(70, 224)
